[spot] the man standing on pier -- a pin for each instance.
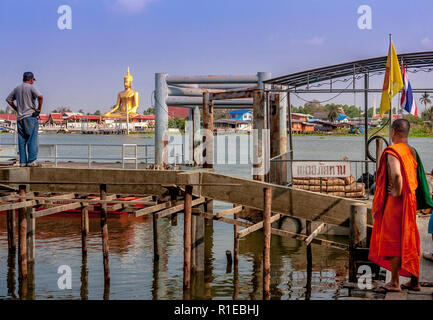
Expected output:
(27, 118)
(395, 241)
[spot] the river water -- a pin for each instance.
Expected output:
(133, 273)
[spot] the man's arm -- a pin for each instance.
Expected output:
(40, 101)
(10, 100)
(395, 180)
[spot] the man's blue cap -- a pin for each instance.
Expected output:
(28, 76)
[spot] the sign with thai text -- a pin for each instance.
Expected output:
(324, 169)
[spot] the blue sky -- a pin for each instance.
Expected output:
(83, 68)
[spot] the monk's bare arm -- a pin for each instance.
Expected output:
(395, 180)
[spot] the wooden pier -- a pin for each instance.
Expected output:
(39, 192)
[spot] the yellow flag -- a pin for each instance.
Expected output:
(396, 81)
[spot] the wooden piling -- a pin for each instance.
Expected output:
(235, 243)
(84, 229)
(22, 235)
(229, 257)
(104, 232)
(267, 192)
(357, 236)
(309, 261)
(11, 226)
(187, 238)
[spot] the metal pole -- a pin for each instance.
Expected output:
(391, 91)
(366, 84)
(262, 76)
(289, 106)
(196, 139)
(190, 136)
(161, 115)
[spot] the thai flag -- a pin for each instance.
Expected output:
(407, 101)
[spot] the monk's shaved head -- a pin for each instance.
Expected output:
(401, 127)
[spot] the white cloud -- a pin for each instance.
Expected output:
(130, 6)
(427, 42)
(316, 41)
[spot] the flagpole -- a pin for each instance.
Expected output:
(391, 91)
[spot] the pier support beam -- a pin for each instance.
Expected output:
(161, 116)
(11, 226)
(197, 136)
(278, 136)
(187, 239)
(22, 235)
(104, 232)
(267, 193)
(208, 136)
(357, 236)
(190, 129)
(309, 261)
(260, 149)
(235, 242)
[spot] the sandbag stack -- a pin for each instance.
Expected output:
(341, 187)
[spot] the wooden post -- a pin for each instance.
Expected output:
(235, 243)
(22, 235)
(104, 232)
(11, 226)
(84, 229)
(267, 193)
(309, 262)
(187, 239)
(208, 207)
(379, 151)
(357, 236)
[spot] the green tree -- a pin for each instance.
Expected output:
(427, 115)
(333, 113)
(97, 113)
(150, 110)
(425, 99)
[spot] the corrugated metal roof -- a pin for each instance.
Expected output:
(411, 60)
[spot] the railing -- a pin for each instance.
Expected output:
(127, 153)
(281, 170)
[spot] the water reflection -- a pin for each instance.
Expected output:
(136, 276)
(11, 281)
(84, 289)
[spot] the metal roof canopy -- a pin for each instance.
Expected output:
(366, 66)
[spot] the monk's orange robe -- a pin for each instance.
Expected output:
(395, 233)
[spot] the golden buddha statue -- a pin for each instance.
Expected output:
(127, 101)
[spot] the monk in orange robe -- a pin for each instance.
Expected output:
(395, 242)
